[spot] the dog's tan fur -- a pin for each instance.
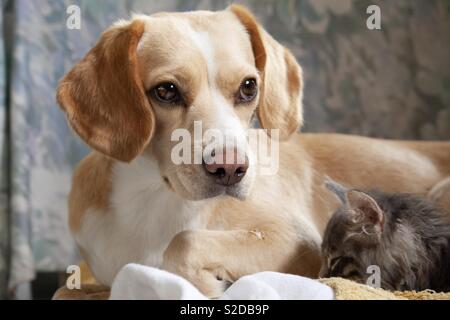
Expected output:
(279, 224)
(94, 174)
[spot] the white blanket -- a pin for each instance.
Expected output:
(145, 283)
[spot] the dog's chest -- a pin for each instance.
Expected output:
(142, 220)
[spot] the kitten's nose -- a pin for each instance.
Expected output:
(226, 168)
(324, 273)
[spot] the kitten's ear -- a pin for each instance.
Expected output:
(339, 190)
(364, 207)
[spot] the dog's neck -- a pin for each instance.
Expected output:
(139, 190)
(139, 177)
(139, 182)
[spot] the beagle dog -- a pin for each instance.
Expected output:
(210, 222)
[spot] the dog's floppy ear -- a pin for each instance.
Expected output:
(104, 97)
(280, 104)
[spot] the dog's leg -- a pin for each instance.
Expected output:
(212, 259)
(440, 193)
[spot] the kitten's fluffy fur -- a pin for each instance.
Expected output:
(405, 235)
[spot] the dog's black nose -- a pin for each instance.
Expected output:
(226, 168)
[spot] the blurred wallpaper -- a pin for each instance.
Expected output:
(390, 83)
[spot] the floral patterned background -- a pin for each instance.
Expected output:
(4, 236)
(392, 83)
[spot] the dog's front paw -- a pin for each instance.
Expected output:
(184, 257)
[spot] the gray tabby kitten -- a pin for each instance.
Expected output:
(406, 236)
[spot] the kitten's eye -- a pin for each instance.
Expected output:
(167, 93)
(334, 261)
(247, 91)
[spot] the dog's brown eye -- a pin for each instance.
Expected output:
(247, 91)
(167, 93)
